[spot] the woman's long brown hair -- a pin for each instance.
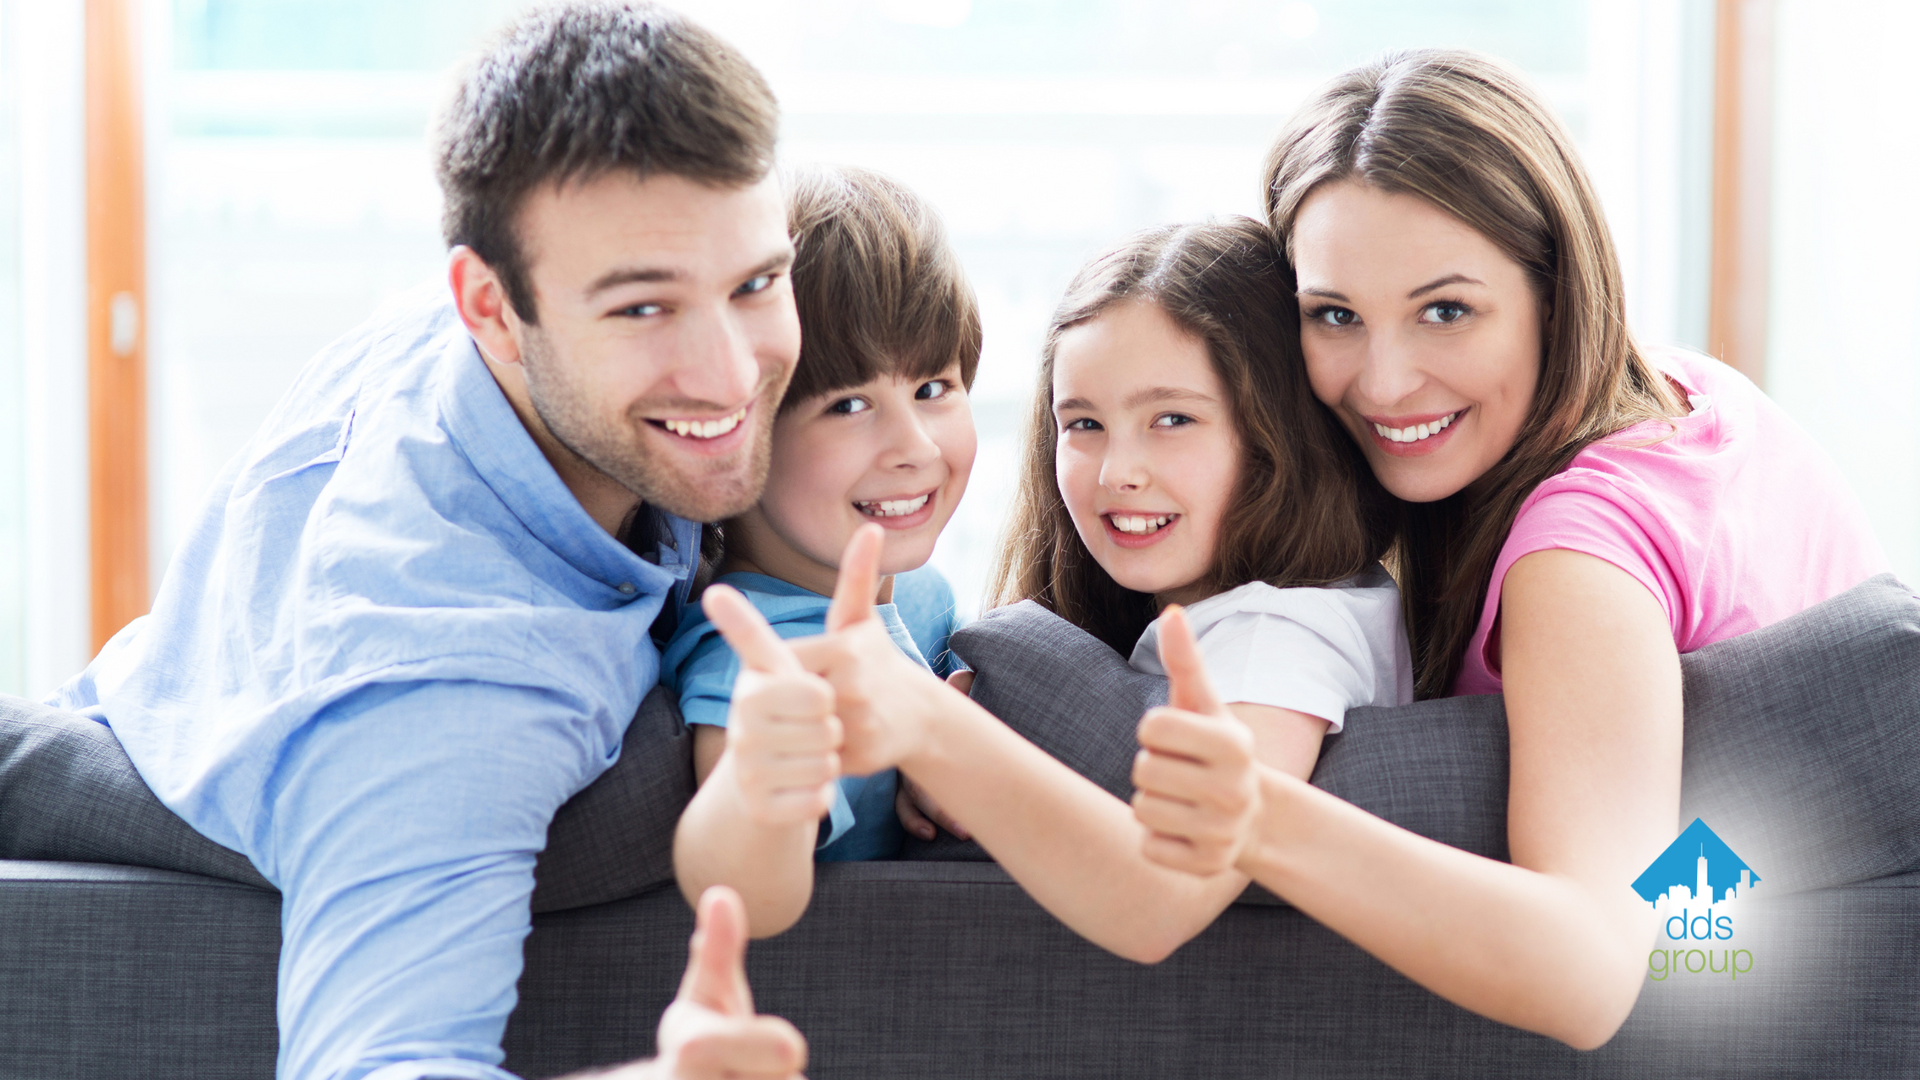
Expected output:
(1467, 135)
(1306, 509)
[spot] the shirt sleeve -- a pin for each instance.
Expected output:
(401, 825)
(705, 682)
(1261, 658)
(1593, 523)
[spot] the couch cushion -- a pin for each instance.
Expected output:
(68, 793)
(1800, 743)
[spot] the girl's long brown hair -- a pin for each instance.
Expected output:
(1466, 134)
(1306, 509)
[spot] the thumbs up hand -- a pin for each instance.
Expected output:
(782, 733)
(879, 693)
(1196, 784)
(710, 1031)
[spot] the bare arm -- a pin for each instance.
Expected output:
(1075, 848)
(765, 780)
(1555, 942)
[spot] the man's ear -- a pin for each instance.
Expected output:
(482, 300)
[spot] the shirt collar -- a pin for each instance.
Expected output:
(485, 428)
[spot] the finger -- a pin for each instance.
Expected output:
(859, 578)
(962, 681)
(910, 816)
(1177, 778)
(1188, 686)
(791, 806)
(747, 632)
(1179, 854)
(1203, 739)
(1177, 817)
(716, 976)
(759, 1047)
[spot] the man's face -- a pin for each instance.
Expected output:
(666, 333)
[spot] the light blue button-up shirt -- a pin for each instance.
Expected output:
(392, 646)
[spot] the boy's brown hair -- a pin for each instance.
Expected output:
(575, 90)
(878, 289)
(1305, 509)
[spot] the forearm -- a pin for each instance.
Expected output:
(1072, 846)
(1542, 952)
(718, 842)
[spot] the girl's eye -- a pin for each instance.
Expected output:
(1085, 423)
(1333, 316)
(1170, 420)
(933, 390)
(760, 283)
(1444, 312)
(849, 406)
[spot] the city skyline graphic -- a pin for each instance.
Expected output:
(1698, 865)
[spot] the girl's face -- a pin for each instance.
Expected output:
(1147, 453)
(1421, 335)
(893, 451)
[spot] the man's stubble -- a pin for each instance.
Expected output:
(700, 489)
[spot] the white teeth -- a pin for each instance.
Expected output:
(893, 507)
(1138, 525)
(1417, 431)
(704, 429)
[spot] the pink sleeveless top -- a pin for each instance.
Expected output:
(1734, 521)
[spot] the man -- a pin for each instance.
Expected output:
(413, 619)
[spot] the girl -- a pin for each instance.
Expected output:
(1579, 512)
(1176, 455)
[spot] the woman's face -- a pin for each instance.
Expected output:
(1420, 334)
(1147, 455)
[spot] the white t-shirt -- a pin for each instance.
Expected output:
(1320, 650)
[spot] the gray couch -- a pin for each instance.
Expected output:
(1802, 746)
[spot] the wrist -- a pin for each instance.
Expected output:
(1265, 855)
(930, 717)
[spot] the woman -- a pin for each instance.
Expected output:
(1578, 513)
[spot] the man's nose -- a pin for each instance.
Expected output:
(718, 364)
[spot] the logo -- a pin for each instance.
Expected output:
(1698, 883)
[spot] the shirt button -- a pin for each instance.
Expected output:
(626, 588)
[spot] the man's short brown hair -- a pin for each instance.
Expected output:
(571, 91)
(878, 289)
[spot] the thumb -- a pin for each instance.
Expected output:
(747, 633)
(716, 976)
(859, 578)
(1187, 684)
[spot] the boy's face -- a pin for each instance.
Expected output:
(894, 451)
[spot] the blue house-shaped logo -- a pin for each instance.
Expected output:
(1698, 865)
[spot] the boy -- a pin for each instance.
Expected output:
(874, 427)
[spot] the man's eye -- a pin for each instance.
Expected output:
(641, 311)
(760, 283)
(933, 390)
(849, 406)
(1446, 311)
(1333, 316)
(1169, 420)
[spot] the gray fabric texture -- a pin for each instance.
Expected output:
(943, 971)
(1800, 738)
(68, 793)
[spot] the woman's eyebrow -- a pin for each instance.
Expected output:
(1436, 283)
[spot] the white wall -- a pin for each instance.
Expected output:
(1844, 347)
(45, 63)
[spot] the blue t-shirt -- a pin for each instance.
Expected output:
(700, 667)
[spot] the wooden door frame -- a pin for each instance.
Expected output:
(116, 317)
(1741, 264)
